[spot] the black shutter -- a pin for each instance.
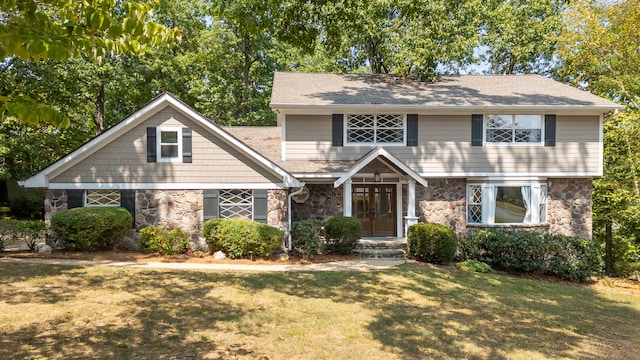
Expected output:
(412, 130)
(210, 204)
(128, 201)
(260, 207)
(75, 198)
(151, 144)
(476, 129)
(186, 145)
(337, 130)
(549, 130)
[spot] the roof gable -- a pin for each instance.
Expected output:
(42, 178)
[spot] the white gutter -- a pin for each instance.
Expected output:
(291, 195)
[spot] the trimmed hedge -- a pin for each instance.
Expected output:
(88, 228)
(434, 243)
(238, 238)
(306, 237)
(156, 240)
(342, 234)
(567, 257)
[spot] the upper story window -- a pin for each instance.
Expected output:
(169, 144)
(513, 128)
(375, 129)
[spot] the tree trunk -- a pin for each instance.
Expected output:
(98, 118)
(608, 247)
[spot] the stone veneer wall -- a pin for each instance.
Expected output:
(569, 206)
(443, 202)
(54, 201)
(324, 201)
(277, 209)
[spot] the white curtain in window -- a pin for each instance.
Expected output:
(526, 198)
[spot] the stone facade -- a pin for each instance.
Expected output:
(171, 209)
(443, 202)
(324, 202)
(569, 206)
(277, 209)
(54, 201)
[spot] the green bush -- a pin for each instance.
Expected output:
(567, 257)
(626, 268)
(238, 238)
(31, 231)
(342, 234)
(475, 266)
(91, 227)
(27, 207)
(434, 243)
(156, 240)
(306, 237)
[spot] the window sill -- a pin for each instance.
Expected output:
(508, 226)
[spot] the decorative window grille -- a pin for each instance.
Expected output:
(236, 204)
(474, 204)
(543, 203)
(102, 198)
(514, 128)
(375, 129)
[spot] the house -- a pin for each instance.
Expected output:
(469, 151)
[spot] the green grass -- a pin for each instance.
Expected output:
(413, 311)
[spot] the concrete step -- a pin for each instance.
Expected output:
(382, 248)
(381, 253)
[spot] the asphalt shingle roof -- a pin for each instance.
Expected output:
(312, 89)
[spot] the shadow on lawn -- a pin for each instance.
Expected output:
(419, 311)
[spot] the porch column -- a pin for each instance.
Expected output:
(411, 218)
(346, 198)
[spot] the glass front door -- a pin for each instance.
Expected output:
(375, 207)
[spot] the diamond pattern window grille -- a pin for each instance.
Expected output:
(514, 128)
(373, 129)
(474, 204)
(103, 197)
(543, 203)
(236, 204)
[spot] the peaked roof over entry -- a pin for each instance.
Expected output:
(374, 154)
(42, 178)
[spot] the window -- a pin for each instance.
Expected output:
(170, 144)
(375, 129)
(506, 204)
(102, 198)
(514, 128)
(236, 204)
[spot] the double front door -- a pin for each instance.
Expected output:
(375, 207)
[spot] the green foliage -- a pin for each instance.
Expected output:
(434, 243)
(238, 238)
(156, 240)
(475, 266)
(626, 268)
(91, 227)
(13, 230)
(567, 257)
(305, 236)
(26, 207)
(342, 234)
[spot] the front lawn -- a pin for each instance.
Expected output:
(412, 311)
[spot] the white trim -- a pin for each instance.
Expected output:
(489, 203)
(164, 186)
(283, 140)
(85, 195)
(347, 198)
(374, 154)
(601, 145)
(41, 179)
(159, 131)
(399, 222)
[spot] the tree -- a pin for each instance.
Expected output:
(64, 29)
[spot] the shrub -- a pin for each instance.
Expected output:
(434, 243)
(27, 207)
(306, 237)
(90, 227)
(626, 268)
(342, 234)
(156, 240)
(475, 266)
(31, 231)
(238, 238)
(567, 257)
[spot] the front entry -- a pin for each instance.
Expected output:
(375, 207)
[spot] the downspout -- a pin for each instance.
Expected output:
(291, 195)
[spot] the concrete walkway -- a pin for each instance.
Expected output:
(349, 265)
